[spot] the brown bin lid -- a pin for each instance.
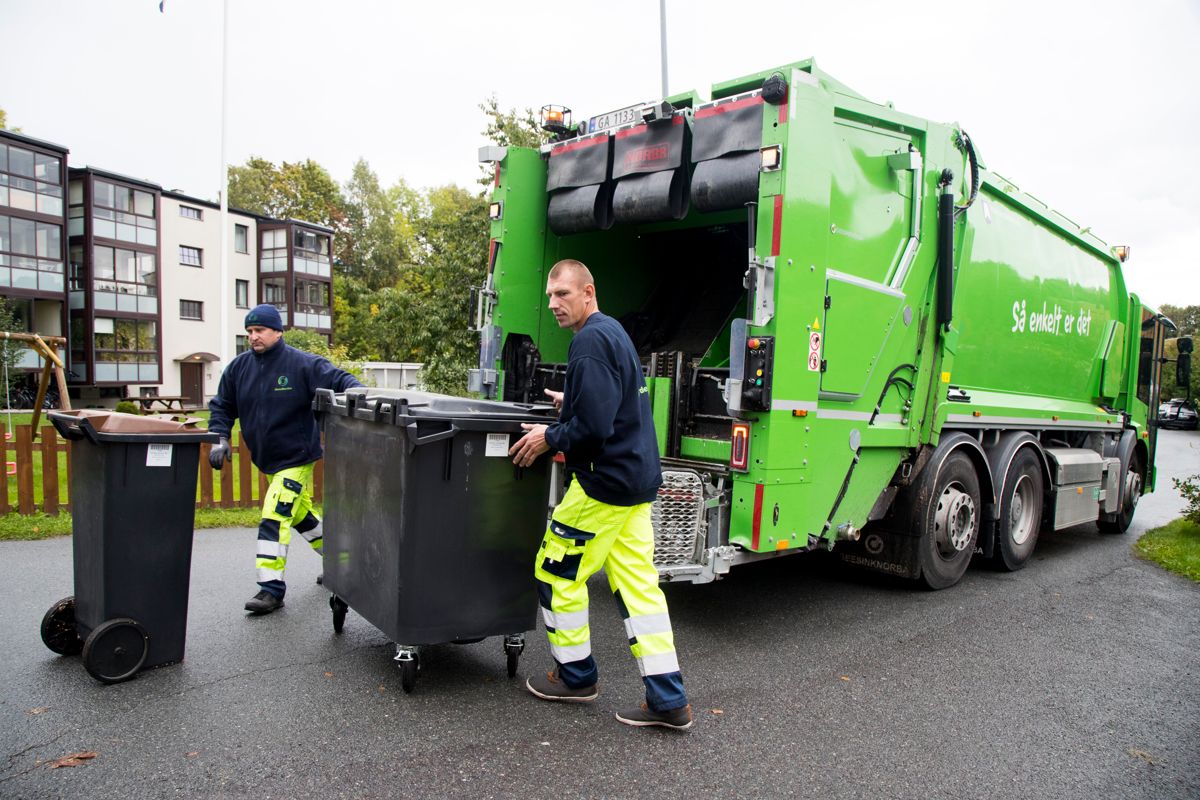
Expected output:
(115, 422)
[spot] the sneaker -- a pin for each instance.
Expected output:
(677, 718)
(264, 603)
(549, 687)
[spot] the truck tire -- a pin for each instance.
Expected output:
(1131, 492)
(1020, 511)
(944, 511)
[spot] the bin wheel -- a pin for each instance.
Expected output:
(339, 608)
(58, 628)
(514, 656)
(408, 673)
(115, 650)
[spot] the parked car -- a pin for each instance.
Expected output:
(1177, 413)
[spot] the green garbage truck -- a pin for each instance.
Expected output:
(855, 336)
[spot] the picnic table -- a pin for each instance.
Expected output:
(168, 402)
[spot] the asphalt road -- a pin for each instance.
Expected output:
(1074, 678)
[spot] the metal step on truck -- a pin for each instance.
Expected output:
(855, 336)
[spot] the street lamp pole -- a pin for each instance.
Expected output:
(225, 350)
(662, 27)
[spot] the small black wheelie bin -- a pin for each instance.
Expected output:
(430, 529)
(133, 503)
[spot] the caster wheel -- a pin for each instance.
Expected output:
(408, 674)
(58, 628)
(115, 650)
(514, 656)
(339, 609)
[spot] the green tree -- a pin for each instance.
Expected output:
(311, 342)
(10, 351)
(1187, 318)
(510, 128)
(374, 238)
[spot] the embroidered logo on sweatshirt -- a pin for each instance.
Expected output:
(281, 384)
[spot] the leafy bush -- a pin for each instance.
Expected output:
(1190, 489)
(127, 407)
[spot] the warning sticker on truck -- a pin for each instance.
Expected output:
(814, 351)
(497, 444)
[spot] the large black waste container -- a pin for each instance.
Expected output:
(133, 503)
(430, 529)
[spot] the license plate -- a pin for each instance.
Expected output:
(615, 119)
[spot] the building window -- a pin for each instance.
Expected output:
(241, 344)
(310, 253)
(30, 181)
(124, 213)
(187, 212)
(241, 239)
(191, 256)
(191, 309)
(31, 255)
(272, 252)
(126, 350)
(124, 280)
(241, 293)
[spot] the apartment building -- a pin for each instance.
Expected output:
(33, 176)
(192, 293)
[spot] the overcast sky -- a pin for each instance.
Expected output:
(1092, 106)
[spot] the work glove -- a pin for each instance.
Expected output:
(219, 454)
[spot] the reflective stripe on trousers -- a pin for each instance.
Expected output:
(585, 536)
(287, 506)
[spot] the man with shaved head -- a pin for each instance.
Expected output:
(606, 431)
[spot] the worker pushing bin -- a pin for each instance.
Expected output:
(430, 529)
(133, 489)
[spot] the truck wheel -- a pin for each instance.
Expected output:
(948, 522)
(1020, 512)
(1131, 492)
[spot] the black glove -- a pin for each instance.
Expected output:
(219, 454)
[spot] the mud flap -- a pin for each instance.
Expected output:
(889, 552)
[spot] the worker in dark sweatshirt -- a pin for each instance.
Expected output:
(606, 431)
(270, 388)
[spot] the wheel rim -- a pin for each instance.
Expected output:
(1021, 523)
(1133, 489)
(954, 521)
(116, 651)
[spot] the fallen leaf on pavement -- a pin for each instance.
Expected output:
(33, 712)
(1142, 754)
(718, 711)
(328, 674)
(844, 677)
(192, 754)
(73, 760)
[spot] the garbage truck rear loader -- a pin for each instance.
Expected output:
(854, 334)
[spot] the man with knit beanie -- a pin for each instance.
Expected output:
(270, 387)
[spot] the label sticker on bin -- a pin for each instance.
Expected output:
(158, 455)
(497, 444)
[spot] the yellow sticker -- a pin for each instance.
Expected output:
(945, 377)
(816, 324)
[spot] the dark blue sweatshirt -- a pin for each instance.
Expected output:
(606, 428)
(272, 393)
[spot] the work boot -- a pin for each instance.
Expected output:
(263, 603)
(551, 687)
(644, 716)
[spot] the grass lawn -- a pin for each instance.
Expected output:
(14, 527)
(1175, 546)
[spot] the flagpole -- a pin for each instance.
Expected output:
(225, 350)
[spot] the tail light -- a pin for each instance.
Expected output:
(739, 451)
